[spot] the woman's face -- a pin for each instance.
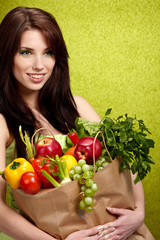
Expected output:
(33, 63)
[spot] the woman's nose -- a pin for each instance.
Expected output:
(38, 63)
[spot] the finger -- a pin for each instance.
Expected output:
(116, 211)
(115, 224)
(91, 231)
(108, 225)
(106, 231)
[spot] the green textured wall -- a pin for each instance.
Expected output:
(114, 49)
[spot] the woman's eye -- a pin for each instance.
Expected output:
(48, 53)
(25, 52)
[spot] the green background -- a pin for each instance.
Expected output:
(114, 49)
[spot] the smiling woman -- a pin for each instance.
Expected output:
(33, 64)
(35, 93)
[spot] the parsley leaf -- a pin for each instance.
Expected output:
(124, 136)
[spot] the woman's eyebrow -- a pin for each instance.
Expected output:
(27, 48)
(31, 49)
(48, 48)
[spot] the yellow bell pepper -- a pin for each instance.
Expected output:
(15, 170)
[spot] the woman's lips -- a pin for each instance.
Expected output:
(36, 77)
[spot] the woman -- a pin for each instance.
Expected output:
(35, 92)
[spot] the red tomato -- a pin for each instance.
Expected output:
(30, 182)
(38, 163)
(50, 168)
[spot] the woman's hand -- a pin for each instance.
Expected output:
(125, 225)
(89, 234)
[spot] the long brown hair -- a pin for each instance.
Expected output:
(56, 102)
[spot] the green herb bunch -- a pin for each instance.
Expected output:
(124, 136)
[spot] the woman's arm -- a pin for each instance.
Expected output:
(139, 199)
(12, 223)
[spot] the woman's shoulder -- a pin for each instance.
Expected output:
(85, 109)
(3, 124)
(5, 135)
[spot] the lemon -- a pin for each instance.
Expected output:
(70, 161)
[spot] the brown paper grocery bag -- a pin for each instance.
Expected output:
(56, 210)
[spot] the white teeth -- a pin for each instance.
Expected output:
(36, 76)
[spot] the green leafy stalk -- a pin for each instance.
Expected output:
(50, 178)
(60, 169)
(27, 142)
(65, 172)
(62, 173)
